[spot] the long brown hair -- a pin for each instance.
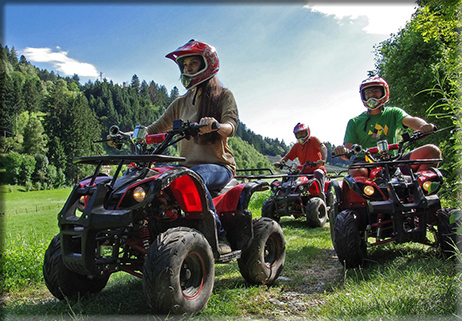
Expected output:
(210, 106)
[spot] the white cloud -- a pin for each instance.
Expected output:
(60, 61)
(382, 18)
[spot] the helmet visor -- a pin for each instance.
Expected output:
(183, 65)
(378, 92)
(301, 134)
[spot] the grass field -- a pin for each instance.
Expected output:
(409, 281)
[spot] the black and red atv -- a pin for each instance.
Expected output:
(298, 194)
(392, 204)
(154, 222)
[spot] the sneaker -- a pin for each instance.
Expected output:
(223, 246)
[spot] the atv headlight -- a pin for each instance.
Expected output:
(368, 190)
(139, 194)
(431, 187)
(275, 185)
(81, 203)
(426, 185)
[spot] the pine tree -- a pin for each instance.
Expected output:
(56, 107)
(82, 130)
(31, 95)
(35, 141)
(153, 92)
(135, 83)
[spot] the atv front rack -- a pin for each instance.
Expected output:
(273, 175)
(120, 160)
(116, 159)
(396, 162)
(257, 176)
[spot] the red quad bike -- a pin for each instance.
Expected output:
(387, 206)
(154, 222)
(298, 194)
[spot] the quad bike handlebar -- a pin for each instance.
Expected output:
(140, 139)
(383, 148)
(295, 169)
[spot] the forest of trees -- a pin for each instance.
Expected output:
(48, 120)
(423, 66)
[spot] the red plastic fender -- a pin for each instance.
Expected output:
(228, 201)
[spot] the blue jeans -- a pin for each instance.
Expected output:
(215, 177)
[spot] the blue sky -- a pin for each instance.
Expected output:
(285, 63)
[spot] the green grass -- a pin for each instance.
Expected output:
(398, 281)
(29, 222)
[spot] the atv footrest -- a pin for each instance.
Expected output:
(224, 258)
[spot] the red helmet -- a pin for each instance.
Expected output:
(299, 128)
(196, 48)
(374, 81)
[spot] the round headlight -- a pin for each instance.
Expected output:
(426, 185)
(431, 187)
(368, 190)
(81, 203)
(139, 194)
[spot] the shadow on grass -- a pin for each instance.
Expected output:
(119, 297)
(398, 257)
(122, 296)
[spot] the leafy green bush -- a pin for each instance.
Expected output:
(12, 162)
(18, 168)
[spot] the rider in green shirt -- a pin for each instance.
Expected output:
(384, 123)
(367, 129)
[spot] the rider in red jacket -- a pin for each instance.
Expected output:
(308, 149)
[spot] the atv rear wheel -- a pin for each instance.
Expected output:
(263, 260)
(350, 247)
(316, 212)
(447, 232)
(268, 209)
(63, 282)
(179, 272)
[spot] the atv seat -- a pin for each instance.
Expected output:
(233, 182)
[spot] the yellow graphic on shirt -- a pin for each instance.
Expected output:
(379, 131)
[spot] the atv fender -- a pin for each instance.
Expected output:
(232, 208)
(187, 187)
(190, 192)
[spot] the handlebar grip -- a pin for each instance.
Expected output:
(216, 125)
(155, 138)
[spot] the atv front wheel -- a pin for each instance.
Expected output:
(447, 232)
(263, 260)
(333, 195)
(350, 247)
(63, 282)
(316, 212)
(269, 210)
(179, 272)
